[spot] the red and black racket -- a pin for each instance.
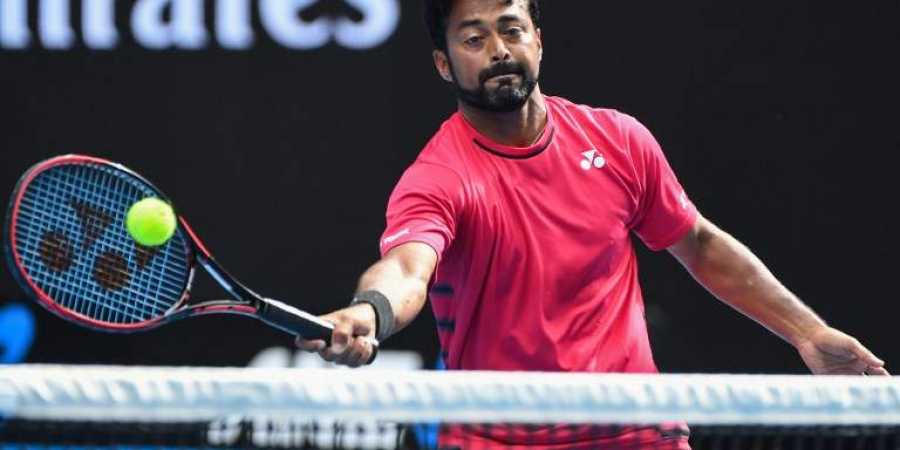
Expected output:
(67, 246)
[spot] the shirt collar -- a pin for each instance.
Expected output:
(508, 151)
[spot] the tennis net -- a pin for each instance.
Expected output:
(373, 409)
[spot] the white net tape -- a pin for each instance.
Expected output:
(162, 394)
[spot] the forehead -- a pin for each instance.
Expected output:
(487, 10)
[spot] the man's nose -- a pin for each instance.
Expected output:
(499, 51)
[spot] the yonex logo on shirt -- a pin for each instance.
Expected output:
(592, 159)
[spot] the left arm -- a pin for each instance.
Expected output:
(731, 272)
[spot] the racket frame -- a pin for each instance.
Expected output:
(245, 302)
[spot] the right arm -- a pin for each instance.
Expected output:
(402, 276)
(421, 222)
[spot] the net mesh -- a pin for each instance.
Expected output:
(369, 409)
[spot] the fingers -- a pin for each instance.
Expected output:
(309, 346)
(352, 341)
(881, 371)
(342, 335)
(356, 353)
(855, 366)
(852, 368)
(865, 355)
(872, 364)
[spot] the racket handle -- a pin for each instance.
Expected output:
(294, 321)
(301, 323)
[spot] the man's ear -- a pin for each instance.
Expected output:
(442, 64)
(540, 42)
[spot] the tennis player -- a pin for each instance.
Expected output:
(515, 219)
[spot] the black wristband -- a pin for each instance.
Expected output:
(384, 314)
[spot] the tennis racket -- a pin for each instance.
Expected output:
(67, 246)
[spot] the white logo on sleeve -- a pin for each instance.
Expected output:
(592, 159)
(683, 200)
(395, 236)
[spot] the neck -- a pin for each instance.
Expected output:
(519, 128)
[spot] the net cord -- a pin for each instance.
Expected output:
(164, 394)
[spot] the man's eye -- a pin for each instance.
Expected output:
(474, 40)
(514, 31)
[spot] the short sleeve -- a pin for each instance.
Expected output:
(423, 208)
(665, 213)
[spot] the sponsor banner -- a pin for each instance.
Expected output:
(196, 24)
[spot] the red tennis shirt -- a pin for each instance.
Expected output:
(537, 270)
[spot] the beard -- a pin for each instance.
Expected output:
(506, 97)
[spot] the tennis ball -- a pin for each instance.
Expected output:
(151, 222)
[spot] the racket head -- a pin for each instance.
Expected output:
(66, 244)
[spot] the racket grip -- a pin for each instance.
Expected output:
(295, 321)
(301, 323)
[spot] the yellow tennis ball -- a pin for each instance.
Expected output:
(151, 222)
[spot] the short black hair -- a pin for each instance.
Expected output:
(437, 13)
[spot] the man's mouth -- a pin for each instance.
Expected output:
(502, 72)
(505, 77)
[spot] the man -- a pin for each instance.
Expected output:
(516, 216)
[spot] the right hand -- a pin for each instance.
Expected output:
(351, 340)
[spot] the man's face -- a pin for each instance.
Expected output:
(493, 53)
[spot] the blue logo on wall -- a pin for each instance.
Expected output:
(16, 332)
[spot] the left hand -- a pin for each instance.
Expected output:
(828, 351)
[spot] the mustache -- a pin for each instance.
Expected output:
(502, 68)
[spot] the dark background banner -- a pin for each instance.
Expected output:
(281, 147)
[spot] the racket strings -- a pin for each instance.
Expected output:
(108, 267)
(73, 244)
(84, 304)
